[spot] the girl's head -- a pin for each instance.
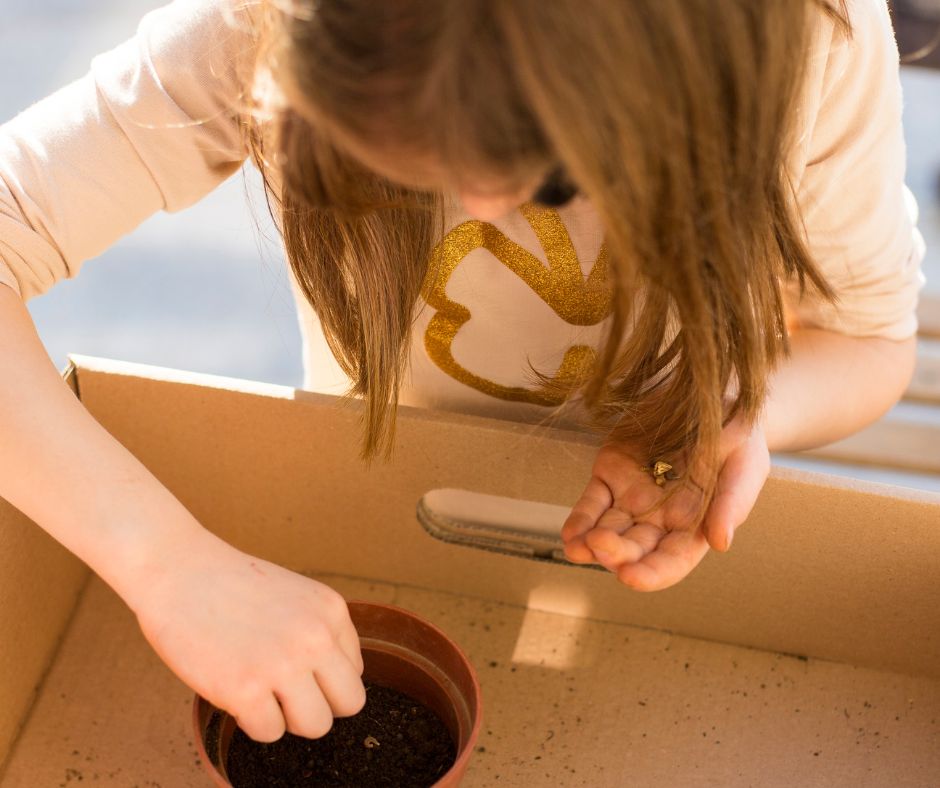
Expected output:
(673, 117)
(422, 93)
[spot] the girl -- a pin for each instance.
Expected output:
(682, 223)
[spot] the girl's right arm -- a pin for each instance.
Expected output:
(153, 126)
(272, 647)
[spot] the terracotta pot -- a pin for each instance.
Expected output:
(401, 651)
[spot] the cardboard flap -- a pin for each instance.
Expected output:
(276, 472)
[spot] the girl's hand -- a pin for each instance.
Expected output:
(612, 524)
(273, 648)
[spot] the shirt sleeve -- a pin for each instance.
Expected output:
(858, 215)
(153, 125)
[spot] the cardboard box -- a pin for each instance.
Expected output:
(808, 655)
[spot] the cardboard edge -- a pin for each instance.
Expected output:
(95, 364)
(104, 366)
(838, 482)
(70, 376)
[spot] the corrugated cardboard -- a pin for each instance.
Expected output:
(808, 655)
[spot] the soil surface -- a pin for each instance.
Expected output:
(393, 741)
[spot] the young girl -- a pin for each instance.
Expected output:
(682, 223)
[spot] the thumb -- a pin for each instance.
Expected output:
(739, 484)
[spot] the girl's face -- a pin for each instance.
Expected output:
(483, 198)
(552, 189)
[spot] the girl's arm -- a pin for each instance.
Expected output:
(272, 647)
(152, 126)
(62, 469)
(833, 385)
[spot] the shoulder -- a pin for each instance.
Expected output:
(867, 46)
(849, 177)
(215, 39)
(177, 91)
(851, 81)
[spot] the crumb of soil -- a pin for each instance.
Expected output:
(394, 741)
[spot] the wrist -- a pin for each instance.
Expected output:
(149, 548)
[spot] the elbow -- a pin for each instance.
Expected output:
(897, 363)
(906, 354)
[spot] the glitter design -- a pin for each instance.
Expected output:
(562, 286)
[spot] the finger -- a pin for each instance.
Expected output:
(348, 641)
(612, 548)
(610, 526)
(594, 501)
(577, 552)
(306, 711)
(339, 630)
(739, 486)
(262, 719)
(342, 687)
(677, 554)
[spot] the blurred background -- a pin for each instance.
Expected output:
(207, 290)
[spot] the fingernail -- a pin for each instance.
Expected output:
(729, 535)
(600, 555)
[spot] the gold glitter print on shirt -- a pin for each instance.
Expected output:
(562, 286)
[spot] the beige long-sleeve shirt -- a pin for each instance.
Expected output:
(153, 126)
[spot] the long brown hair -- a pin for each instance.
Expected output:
(674, 117)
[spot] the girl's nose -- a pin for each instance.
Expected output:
(488, 208)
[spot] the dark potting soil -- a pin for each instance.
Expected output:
(395, 741)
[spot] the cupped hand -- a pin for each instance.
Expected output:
(275, 649)
(618, 524)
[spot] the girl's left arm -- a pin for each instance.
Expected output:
(833, 385)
